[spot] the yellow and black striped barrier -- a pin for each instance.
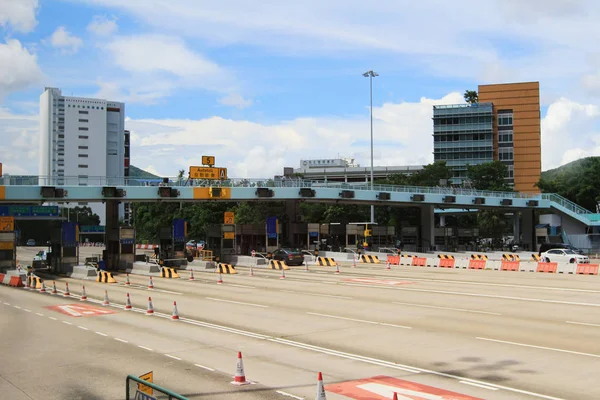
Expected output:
(225, 269)
(35, 282)
(369, 259)
(168, 272)
(510, 257)
(276, 264)
(535, 257)
(105, 277)
(326, 262)
(479, 257)
(446, 256)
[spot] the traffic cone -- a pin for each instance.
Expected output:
(251, 271)
(54, 291)
(27, 279)
(282, 274)
(67, 289)
(220, 281)
(305, 266)
(353, 261)
(240, 376)
(43, 289)
(320, 388)
(127, 280)
(83, 295)
(175, 313)
(387, 265)
(150, 310)
(337, 268)
(128, 303)
(395, 396)
(106, 302)
(150, 284)
(191, 274)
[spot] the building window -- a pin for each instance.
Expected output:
(83, 137)
(82, 166)
(83, 176)
(83, 112)
(83, 147)
(84, 120)
(83, 156)
(505, 119)
(61, 136)
(83, 128)
(505, 154)
(505, 137)
(112, 152)
(511, 171)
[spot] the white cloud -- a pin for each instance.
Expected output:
(20, 138)
(235, 100)
(19, 67)
(102, 26)
(130, 93)
(20, 14)
(65, 41)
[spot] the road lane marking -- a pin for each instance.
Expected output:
(541, 347)
(121, 340)
(164, 291)
(315, 294)
(173, 357)
(17, 307)
(145, 348)
(53, 319)
(446, 308)
(82, 327)
(7, 304)
(492, 296)
(67, 322)
(204, 367)
(360, 320)
(101, 334)
(281, 392)
(478, 385)
(242, 286)
(237, 302)
(41, 315)
(582, 323)
(26, 310)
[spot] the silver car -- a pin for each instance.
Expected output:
(564, 256)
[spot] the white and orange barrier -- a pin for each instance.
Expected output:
(146, 246)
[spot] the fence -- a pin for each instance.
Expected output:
(138, 389)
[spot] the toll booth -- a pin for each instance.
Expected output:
(64, 248)
(126, 247)
(221, 239)
(171, 246)
(8, 240)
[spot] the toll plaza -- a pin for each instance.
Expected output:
(8, 240)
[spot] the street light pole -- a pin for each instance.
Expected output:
(371, 75)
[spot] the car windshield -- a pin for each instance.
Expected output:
(569, 251)
(293, 251)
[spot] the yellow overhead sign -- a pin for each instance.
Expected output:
(148, 377)
(7, 224)
(228, 235)
(229, 218)
(208, 160)
(211, 193)
(208, 173)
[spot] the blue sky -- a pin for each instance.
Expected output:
(262, 86)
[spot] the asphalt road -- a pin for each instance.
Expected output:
(485, 334)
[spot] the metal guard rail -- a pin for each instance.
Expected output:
(172, 395)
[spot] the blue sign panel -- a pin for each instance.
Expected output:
(69, 234)
(127, 241)
(29, 211)
(179, 230)
(92, 229)
(272, 227)
(313, 234)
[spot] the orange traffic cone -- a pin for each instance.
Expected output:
(305, 266)
(220, 279)
(175, 313)
(106, 302)
(83, 295)
(251, 271)
(387, 266)
(353, 261)
(395, 396)
(127, 280)
(54, 291)
(150, 284)
(240, 376)
(337, 268)
(43, 289)
(128, 303)
(191, 274)
(67, 290)
(282, 274)
(320, 388)
(150, 310)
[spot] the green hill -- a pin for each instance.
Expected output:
(572, 167)
(135, 172)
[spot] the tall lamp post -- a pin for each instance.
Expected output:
(371, 74)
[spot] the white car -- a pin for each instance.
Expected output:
(565, 256)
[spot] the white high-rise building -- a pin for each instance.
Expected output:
(81, 142)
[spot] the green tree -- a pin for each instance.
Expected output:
(489, 176)
(471, 96)
(432, 175)
(83, 215)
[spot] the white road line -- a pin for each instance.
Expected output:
(359, 320)
(37, 313)
(173, 357)
(101, 334)
(582, 323)
(281, 392)
(17, 307)
(238, 302)
(492, 296)
(541, 347)
(7, 304)
(242, 286)
(26, 310)
(315, 294)
(145, 348)
(67, 322)
(204, 367)
(82, 327)
(164, 291)
(478, 385)
(446, 308)
(121, 340)
(53, 319)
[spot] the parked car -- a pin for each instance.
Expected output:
(564, 255)
(549, 246)
(290, 256)
(31, 242)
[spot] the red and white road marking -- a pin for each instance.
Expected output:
(373, 281)
(384, 387)
(81, 310)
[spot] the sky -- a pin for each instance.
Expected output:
(262, 85)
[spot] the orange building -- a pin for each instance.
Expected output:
(517, 132)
